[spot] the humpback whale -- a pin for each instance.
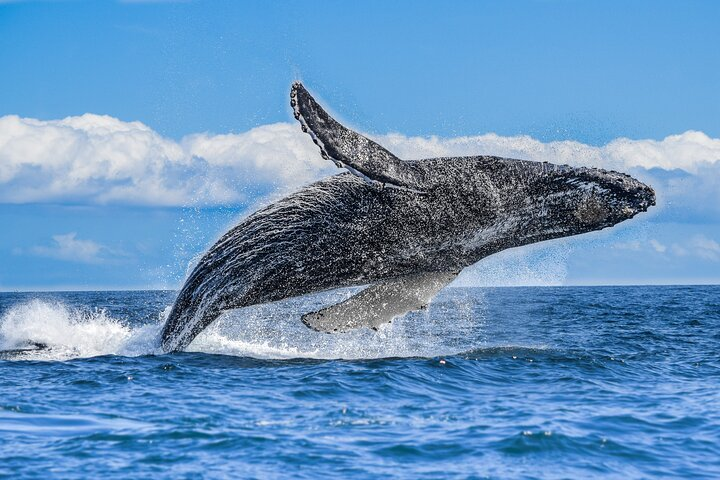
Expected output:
(403, 228)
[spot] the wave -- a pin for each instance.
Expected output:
(64, 332)
(52, 330)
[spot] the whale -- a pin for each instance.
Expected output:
(403, 229)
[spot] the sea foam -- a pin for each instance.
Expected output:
(271, 331)
(69, 332)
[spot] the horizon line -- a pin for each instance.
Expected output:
(594, 285)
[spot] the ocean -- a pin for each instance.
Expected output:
(536, 382)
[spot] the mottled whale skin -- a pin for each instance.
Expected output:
(405, 228)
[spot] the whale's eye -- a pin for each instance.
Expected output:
(591, 211)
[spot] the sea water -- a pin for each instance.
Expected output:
(555, 382)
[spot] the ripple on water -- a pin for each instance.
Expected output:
(519, 382)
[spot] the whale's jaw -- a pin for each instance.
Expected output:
(618, 197)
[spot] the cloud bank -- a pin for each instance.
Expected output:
(102, 160)
(688, 151)
(96, 159)
(698, 245)
(69, 248)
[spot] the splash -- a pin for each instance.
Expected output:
(270, 331)
(274, 331)
(70, 333)
(538, 265)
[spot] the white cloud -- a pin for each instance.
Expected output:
(633, 245)
(698, 245)
(72, 249)
(706, 248)
(678, 250)
(100, 159)
(687, 151)
(659, 247)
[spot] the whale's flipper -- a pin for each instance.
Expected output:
(379, 303)
(349, 149)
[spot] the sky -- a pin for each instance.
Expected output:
(133, 134)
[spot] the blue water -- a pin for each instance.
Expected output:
(560, 382)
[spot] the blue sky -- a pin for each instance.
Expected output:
(180, 122)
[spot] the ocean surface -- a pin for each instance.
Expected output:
(552, 382)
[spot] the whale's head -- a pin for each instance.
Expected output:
(532, 201)
(550, 201)
(600, 198)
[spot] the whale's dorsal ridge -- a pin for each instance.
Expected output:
(349, 149)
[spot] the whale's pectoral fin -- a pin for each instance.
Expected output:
(379, 303)
(349, 149)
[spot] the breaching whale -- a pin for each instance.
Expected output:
(405, 228)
